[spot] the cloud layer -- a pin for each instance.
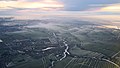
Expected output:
(10, 7)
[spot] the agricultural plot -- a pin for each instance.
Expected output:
(83, 63)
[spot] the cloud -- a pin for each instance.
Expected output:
(36, 6)
(8, 0)
(68, 5)
(106, 9)
(111, 8)
(81, 5)
(42, 4)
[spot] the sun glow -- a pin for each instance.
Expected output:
(112, 8)
(43, 5)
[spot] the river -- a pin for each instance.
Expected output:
(66, 50)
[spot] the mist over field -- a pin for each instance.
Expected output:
(48, 41)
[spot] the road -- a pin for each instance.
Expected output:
(111, 62)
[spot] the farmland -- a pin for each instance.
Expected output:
(56, 43)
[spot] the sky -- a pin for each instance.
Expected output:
(18, 7)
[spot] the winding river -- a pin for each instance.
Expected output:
(66, 50)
